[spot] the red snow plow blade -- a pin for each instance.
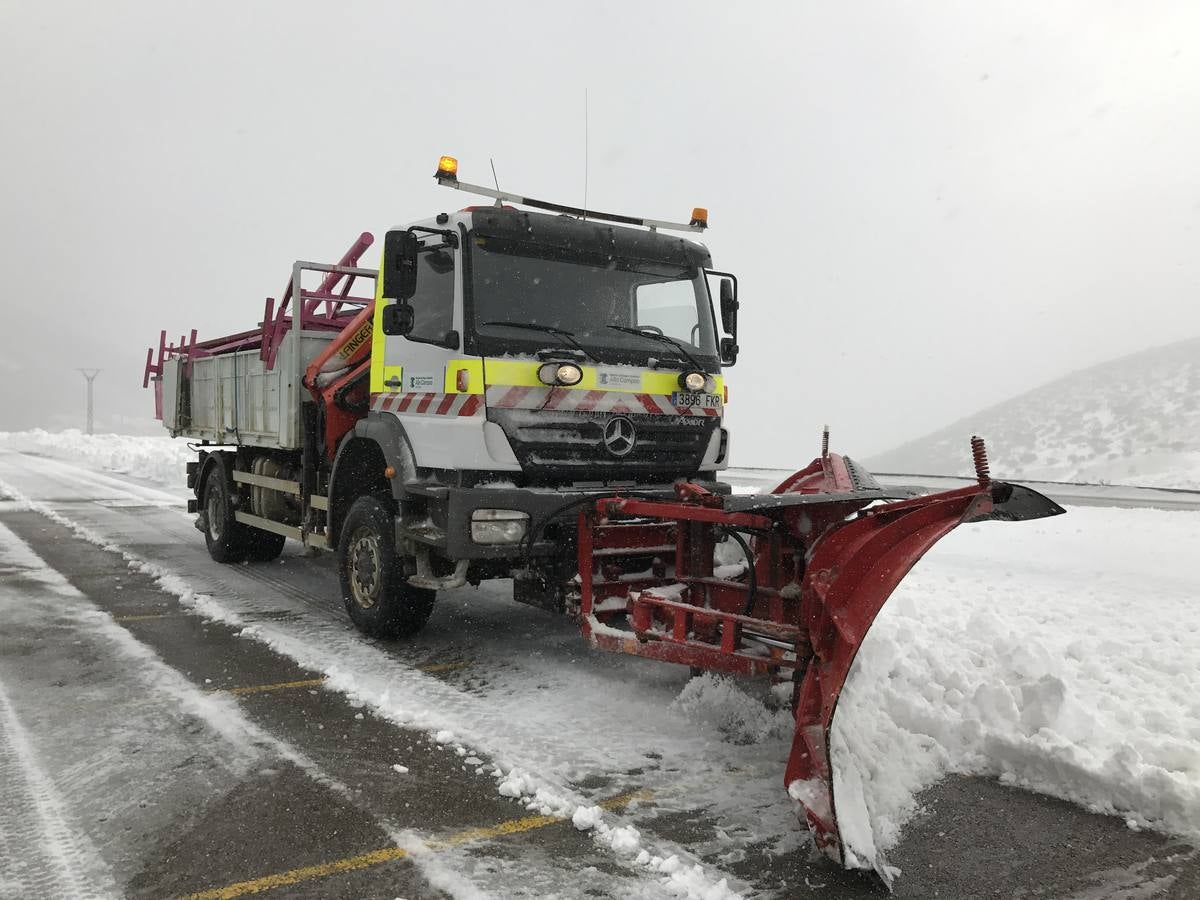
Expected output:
(828, 547)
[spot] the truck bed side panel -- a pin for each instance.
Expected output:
(233, 398)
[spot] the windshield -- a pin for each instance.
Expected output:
(585, 294)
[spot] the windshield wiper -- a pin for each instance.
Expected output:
(568, 337)
(662, 338)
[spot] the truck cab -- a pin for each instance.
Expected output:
(525, 362)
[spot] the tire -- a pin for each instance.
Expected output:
(227, 539)
(378, 597)
(264, 546)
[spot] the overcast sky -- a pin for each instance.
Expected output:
(930, 206)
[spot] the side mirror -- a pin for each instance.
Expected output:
(399, 269)
(729, 311)
(729, 351)
(398, 318)
(729, 306)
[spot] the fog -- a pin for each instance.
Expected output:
(930, 207)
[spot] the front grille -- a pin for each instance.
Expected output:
(565, 446)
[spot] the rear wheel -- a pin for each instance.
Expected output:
(264, 546)
(377, 595)
(227, 539)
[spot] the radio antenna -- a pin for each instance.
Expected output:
(585, 153)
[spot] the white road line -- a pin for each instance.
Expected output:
(41, 854)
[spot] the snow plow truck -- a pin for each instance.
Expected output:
(530, 391)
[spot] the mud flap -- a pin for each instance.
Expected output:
(851, 571)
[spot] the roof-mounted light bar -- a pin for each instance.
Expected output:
(447, 174)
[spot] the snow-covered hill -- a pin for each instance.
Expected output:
(1133, 420)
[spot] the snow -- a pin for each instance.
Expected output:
(720, 703)
(157, 459)
(515, 784)
(1062, 656)
(67, 769)
(437, 872)
(69, 863)
(663, 592)
(812, 793)
(730, 571)
(587, 817)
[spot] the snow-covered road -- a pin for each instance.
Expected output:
(1061, 655)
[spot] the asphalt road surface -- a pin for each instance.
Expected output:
(149, 750)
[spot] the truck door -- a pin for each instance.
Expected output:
(416, 362)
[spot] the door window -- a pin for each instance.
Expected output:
(433, 302)
(670, 307)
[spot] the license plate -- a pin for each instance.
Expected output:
(695, 401)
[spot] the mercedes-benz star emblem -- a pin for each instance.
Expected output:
(619, 436)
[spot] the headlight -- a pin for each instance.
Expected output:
(693, 381)
(498, 526)
(560, 373)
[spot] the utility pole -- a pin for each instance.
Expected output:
(90, 375)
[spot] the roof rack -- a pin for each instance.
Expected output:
(447, 175)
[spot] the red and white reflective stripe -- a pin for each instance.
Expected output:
(567, 400)
(422, 404)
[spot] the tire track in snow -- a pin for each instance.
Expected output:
(39, 850)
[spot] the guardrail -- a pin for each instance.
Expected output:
(1067, 493)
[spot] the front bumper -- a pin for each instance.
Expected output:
(447, 526)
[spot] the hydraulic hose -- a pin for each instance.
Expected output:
(752, 588)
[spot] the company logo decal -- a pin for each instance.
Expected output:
(619, 436)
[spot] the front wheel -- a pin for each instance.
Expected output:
(377, 595)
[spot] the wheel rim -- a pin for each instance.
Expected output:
(364, 567)
(215, 511)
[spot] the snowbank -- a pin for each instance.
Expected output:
(1061, 656)
(157, 459)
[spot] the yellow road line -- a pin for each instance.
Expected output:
(388, 854)
(281, 686)
(516, 826)
(281, 879)
(625, 799)
(513, 826)
(312, 682)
